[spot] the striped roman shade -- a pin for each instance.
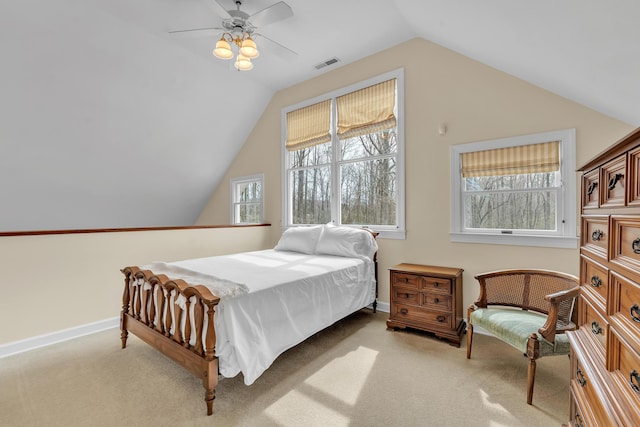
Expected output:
(533, 158)
(367, 110)
(309, 126)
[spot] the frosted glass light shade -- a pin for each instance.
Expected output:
(249, 48)
(243, 63)
(223, 50)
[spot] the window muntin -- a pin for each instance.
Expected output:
(247, 200)
(535, 208)
(354, 181)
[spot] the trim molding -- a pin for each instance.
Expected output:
(33, 343)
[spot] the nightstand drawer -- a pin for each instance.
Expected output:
(436, 285)
(406, 280)
(420, 315)
(437, 301)
(405, 296)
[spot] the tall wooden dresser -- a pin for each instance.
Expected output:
(605, 350)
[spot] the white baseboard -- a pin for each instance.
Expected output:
(382, 306)
(56, 337)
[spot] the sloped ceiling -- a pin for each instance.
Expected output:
(110, 121)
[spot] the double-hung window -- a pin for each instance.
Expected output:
(247, 199)
(342, 158)
(518, 190)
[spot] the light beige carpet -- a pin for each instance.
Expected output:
(355, 373)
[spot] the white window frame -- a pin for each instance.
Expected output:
(385, 232)
(241, 180)
(566, 235)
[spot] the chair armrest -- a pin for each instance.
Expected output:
(549, 329)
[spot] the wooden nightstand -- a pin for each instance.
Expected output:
(427, 298)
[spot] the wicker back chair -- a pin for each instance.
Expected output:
(545, 300)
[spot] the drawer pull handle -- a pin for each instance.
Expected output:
(614, 180)
(595, 328)
(634, 312)
(436, 300)
(440, 318)
(436, 285)
(406, 280)
(579, 422)
(597, 235)
(596, 282)
(633, 376)
(580, 378)
(635, 245)
(405, 296)
(403, 311)
(591, 188)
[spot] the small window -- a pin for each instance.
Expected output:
(247, 199)
(518, 190)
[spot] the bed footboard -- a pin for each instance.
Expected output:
(176, 319)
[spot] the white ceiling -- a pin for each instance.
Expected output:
(156, 105)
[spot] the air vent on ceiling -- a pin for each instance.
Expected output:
(327, 63)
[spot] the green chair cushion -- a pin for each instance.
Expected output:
(516, 326)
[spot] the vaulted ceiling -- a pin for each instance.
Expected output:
(111, 121)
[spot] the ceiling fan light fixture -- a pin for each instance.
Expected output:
(223, 50)
(243, 63)
(249, 48)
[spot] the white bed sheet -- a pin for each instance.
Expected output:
(290, 296)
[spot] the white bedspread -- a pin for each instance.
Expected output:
(283, 298)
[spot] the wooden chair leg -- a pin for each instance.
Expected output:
(469, 339)
(531, 376)
(533, 353)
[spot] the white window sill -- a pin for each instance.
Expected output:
(515, 239)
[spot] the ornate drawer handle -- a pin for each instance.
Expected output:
(595, 328)
(591, 188)
(634, 312)
(596, 282)
(614, 180)
(580, 378)
(579, 421)
(436, 284)
(635, 245)
(440, 318)
(406, 296)
(597, 235)
(436, 300)
(633, 376)
(403, 311)
(406, 280)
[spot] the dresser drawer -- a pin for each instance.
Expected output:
(591, 320)
(633, 195)
(406, 280)
(613, 179)
(595, 235)
(624, 306)
(588, 395)
(437, 301)
(405, 296)
(625, 244)
(437, 285)
(625, 374)
(590, 189)
(408, 314)
(595, 281)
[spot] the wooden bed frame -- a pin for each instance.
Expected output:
(171, 334)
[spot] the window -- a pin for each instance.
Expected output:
(342, 157)
(518, 191)
(246, 199)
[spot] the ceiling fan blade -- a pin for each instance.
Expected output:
(198, 32)
(275, 47)
(218, 9)
(271, 14)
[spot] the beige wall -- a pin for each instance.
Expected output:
(477, 103)
(54, 282)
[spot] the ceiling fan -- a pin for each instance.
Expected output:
(239, 30)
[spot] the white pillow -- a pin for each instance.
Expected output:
(299, 239)
(347, 242)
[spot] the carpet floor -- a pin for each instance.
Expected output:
(354, 373)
